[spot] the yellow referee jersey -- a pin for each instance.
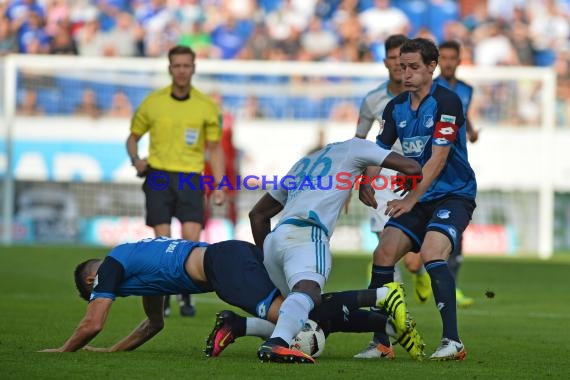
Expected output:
(178, 129)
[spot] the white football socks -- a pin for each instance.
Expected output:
(398, 274)
(258, 327)
(390, 329)
(292, 316)
(381, 294)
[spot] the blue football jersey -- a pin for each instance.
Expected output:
(462, 89)
(439, 120)
(150, 267)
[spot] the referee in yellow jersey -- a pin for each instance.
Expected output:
(184, 127)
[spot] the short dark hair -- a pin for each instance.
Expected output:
(394, 41)
(425, 47)
(81, 271)
(451, 44)
(180, 49)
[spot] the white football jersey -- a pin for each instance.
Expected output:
(318, 185)
(371, 111)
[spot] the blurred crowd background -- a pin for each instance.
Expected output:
(492, 32)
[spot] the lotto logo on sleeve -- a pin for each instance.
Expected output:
(445, 132)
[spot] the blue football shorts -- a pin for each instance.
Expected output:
(448, 215)
(236, 273)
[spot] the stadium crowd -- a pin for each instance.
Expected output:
(492, 32)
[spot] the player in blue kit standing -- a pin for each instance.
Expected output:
(449, 60)
(370, 114)
(429, 122)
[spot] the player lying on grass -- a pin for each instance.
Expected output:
(153, 268)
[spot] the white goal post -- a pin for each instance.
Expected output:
(319, 79)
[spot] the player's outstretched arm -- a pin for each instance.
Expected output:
(153, 307)
(91, 324)
(260, 217)
(430, 172)
(365, 191)
(402, 164)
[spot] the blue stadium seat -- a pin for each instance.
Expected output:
(70, 90)
(269, 79)
(136, 94)
(273, 107)
(104, 93)
(232, 102)
(49, 100)
(305, 108)
(231, 78)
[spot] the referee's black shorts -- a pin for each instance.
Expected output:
(171, 194)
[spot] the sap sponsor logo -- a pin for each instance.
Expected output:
(443, 214)
(402, 124)
(414, 146)
(447, 118)
(428, 121)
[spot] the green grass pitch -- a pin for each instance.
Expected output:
(521, 333)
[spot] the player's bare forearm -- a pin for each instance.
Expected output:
(402, 164)
(430, 172)
(83, 334)
(132, 150)
(260, 218)
(216, 158)
(153, 307)
(472, 133)
(260, 228)
(142, 334)
(372, 171)
(365, 190)
(91, 324)
(132, 147)
(216, 155)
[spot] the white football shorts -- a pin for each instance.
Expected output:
(293, 253)
(377, 217)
